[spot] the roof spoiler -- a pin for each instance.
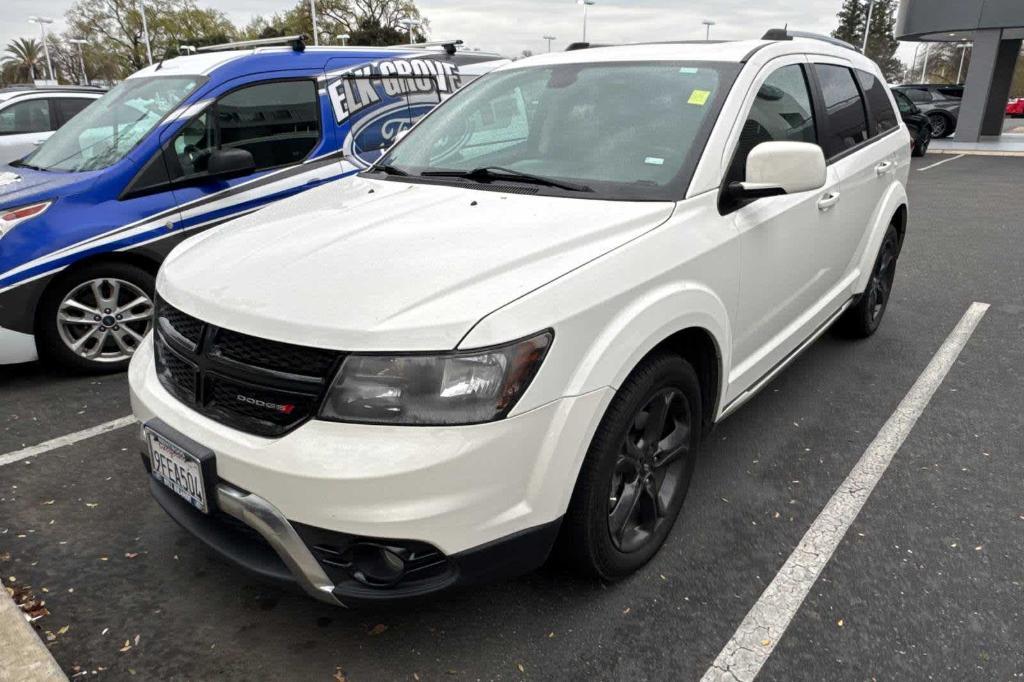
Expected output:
(786, 34)
(297, 43)
(448, 45)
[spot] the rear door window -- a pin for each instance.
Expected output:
(882, 114)
(847, 121)
(67, 107)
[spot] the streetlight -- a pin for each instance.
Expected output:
(708, 23)
(312, 12)
(81, 59)
(586, 4)
(43, 21)
(549, 39)
(924, 67)
(343, 37)
(963, 53)
(867, 27)
(409, 24)
(145, 31)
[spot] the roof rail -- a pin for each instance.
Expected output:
(585, 46)
(786, 34)
(297, 43)
(448, 45)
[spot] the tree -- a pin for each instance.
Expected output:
(851, 16)
(882, 43)
(24, 60)
(368, 22)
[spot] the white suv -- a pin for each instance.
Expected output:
(517, 327)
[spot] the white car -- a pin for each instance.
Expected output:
(30, 115)
(516, 328)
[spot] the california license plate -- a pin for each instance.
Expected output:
(178, 469)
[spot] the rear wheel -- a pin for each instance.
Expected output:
(863, 318)
(942, 126)
(637, 471)
(921, 146)
(94, 318)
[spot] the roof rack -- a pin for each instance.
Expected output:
(297, 43)
(786, 34)
(448, 45)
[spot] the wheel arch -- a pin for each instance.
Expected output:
(892, 210)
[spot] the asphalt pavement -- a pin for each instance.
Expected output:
(928, 583)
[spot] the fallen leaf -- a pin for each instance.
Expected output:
(521, 668)
(626, 610)
(339, 675)
(378, 629)
(48, 502)
(839, 622)
(64, 630)
(131, 555)
(766, 642)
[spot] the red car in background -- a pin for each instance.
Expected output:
(1015, 107)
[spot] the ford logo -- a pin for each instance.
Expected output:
(370, 135)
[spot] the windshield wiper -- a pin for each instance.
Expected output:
(21, 164)
(388, 169)
(501, 173)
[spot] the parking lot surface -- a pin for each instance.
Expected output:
(928, 582)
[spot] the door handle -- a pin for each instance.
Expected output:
(828, 201)
(884, 167)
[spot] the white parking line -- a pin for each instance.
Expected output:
(767, 620)
(958, 156)
(69, 439)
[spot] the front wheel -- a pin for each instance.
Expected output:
(637, 471)
(93, 319)
(863, 318)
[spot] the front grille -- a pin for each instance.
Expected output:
(259, 386)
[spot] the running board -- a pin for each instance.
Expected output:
(784, 362)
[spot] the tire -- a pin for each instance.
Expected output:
(95, 294)
(621, 467)
(942, 124)
(921, 147)
(864, 317)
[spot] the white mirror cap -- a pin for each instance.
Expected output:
(793, 166)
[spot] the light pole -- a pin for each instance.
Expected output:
(963, 53)
(312, 12)
(924, 67)
(145, 30)
(867, 26)
(409, 24)
(43, 21)
(343, 37)
(707, 34)
(586, 4)
(549, 39)
(81, 59)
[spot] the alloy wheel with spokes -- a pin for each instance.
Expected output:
(104, 319)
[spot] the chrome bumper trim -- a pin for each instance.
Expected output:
(265, 519)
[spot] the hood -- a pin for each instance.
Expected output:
(374, 265)
(21, 185)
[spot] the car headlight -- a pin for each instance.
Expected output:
(462, 387)
(12, 216)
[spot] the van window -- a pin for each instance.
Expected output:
(844, 108)
(278, 123)
(30, 116)
(882, 114)
(781, 112)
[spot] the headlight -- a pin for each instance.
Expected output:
(12, 216)
(438, 389)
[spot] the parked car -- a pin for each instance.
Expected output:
(29, 115)
(179, 147)
(519, 323)
(1015, 107)
(940, 103)
(917, 123)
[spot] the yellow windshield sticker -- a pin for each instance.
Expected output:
(699, 97)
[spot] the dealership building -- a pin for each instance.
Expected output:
(996, 28)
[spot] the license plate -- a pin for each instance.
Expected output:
(178, 469)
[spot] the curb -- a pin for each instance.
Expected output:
(24, 656)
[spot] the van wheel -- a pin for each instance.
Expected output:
(637, 471)
(864, 317)
(93, 319)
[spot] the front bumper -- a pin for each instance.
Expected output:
(16, 347)
(467, 491)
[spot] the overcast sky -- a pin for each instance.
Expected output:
(511, 26)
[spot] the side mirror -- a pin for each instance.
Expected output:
(230, 163)
(775, 168)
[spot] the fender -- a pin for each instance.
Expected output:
(894, 198)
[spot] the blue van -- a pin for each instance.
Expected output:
(183, 146)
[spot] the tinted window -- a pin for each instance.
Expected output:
(67, 107)
(918, 95)
(781, 111)
(30, 116)
(904, 103)
(953, 91)
(278, 123)
(882, 113)
(844, 107)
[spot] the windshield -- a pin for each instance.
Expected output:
(618, 130)
(105, 131)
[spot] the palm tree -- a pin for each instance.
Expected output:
(23, 54)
